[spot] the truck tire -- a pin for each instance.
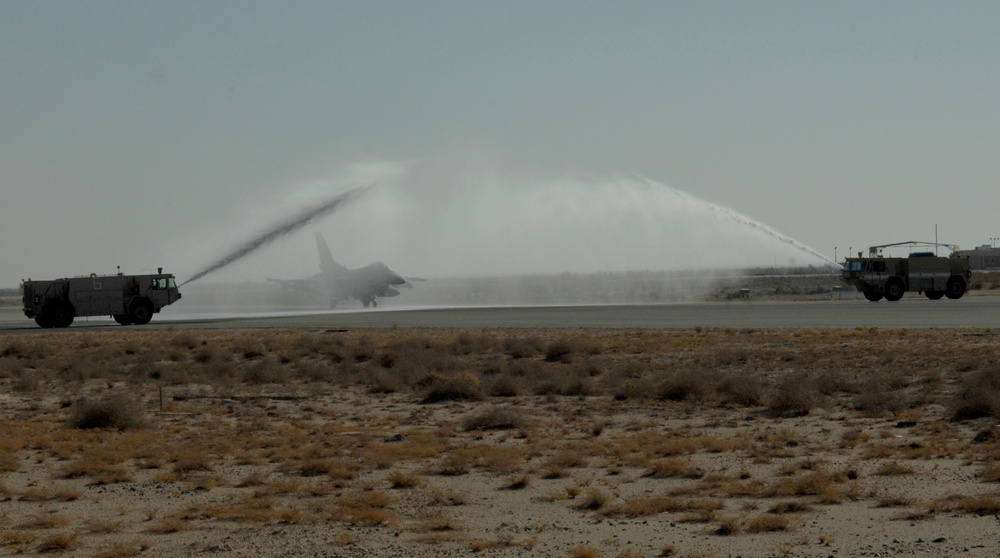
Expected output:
(934, 295)
(873, 295)
(63, 315)
(955, 287)
(42, 321)
(894, 289)
(141, 312)
(122, 319)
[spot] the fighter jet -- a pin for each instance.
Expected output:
(338, 283)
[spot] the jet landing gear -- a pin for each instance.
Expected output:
(369, 302)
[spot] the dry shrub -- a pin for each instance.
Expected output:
(789, 507)
(441, 497)
(685, 385)
(979, 395)
(729, 526)
(561, 350)
(58, 542)
(566, 458)
(522, 347)
(673, 467)
(624, 388)
(169, 525)
(400, 480)
(827, 487)
(15, 349)
(894, 468)
(643, 507)
(436, 522)
(829, 382)
(739, 389)
(263, 371)
(337, 470)
(123, 550)
(18, 539)
(795, 396)
(584, 552)
(518, 483)
(27, 381)
(185, 341)
(45, 495)
(192, 462)
(105, 527)
(463, 386)
(116, 411)
(593, 500)
(96, 467)
(362, 508)
(990, 473)
(979, 504)
(876, 398)
(205, 355)
(494, 418)
(457, 463)
(503, 385)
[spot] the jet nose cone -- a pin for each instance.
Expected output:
(396, 279)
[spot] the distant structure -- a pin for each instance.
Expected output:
(983, 257)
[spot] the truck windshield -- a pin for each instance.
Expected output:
(854, 266)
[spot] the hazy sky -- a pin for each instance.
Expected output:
(503, 136)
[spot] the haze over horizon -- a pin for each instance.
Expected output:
(515, 136)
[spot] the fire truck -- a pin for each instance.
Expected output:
(129, 299)
(924, 272)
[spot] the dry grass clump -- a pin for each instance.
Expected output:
(402, 480)
(978, 504)
(462, 386)
(655, 505)
(494, 418)
(584, 552)
(123, 549)
(523, 347)
(58, 542)
(979, 395)
(684, 385)
(117, 411)
(593, 499)
(794, 396)
(673, 467)
(827, 487)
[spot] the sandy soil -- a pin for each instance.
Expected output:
(441, 443)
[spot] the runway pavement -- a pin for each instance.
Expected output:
(969, 312)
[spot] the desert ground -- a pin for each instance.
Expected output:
(562, 443)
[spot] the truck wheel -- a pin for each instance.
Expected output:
(60, 315)
(955, 287)
(873, 295)
(142, 312)
(934, 295)
(894, 290)
(122, 319)
(43, 322)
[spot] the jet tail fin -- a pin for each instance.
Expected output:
(327, 265)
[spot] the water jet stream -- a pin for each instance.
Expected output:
(287, 227)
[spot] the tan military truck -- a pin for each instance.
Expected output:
(129, 299)
(924, 272)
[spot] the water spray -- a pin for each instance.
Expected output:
(749, 223)
(287, 227)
